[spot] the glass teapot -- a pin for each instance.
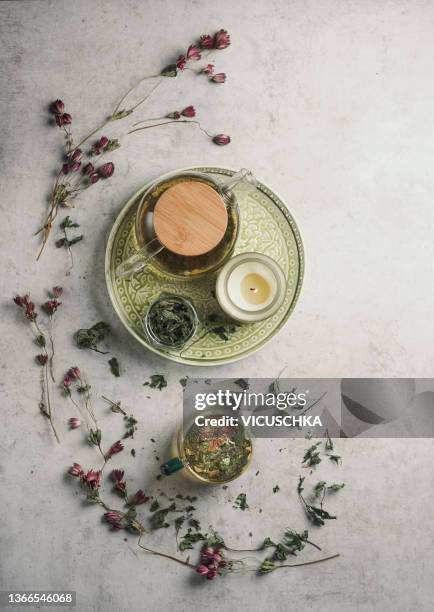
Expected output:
(186, 224)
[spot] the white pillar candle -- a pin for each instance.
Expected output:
(250, 287)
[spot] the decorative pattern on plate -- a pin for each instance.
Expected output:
(266, 227)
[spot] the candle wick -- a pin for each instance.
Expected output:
(254, 289)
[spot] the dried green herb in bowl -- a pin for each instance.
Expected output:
(171, 321)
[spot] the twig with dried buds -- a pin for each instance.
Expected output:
(46, 358)
(77, 172)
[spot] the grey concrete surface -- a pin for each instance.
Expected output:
(329, 102)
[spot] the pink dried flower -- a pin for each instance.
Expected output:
(66, 381)
(202, 570)
(216, 557)
(103, 142)
(223, 563)
(66, 119)
(206, 41)
(189, 111)
(212, 574)
(222, 39)
(21, 300)
(30, 311)
(139, 498)
(56, 291)
(74, 423)
(115, 448)
(220, 77)
(209, 69)
(59, 120)
(92, 479)
(65, 168)
(74, 373)
(76, 155)
(42, 359)
(94, 178)
(121, 486)
(117, 475)
(207, 552)
(76, 470)
(88, 169)
(51, 306)
(113, 518)
(107, 170)
(75, 167)
(57, 107)
(193, 53)
(221, 139)
(180, 62)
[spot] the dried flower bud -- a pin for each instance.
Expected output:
(189, 111)
(212, 573)
(193, 53)
(222, 39)
(103, 142)
(207, 551)
(117, 475)
(221, 139)
(106, 170)
(121, 487)
(56, 291)
(113, 519)
(76, 155)
(216, 557)
(139, 498)
(202, 570)
(66, 381)
(115, 448)
(59, 120)
(74, 423)
(209, 69)
(92, 479)
(74, 373)
(180, 62)
(21, 300)
(206, 41)
(94, 178)
(30, 311)
(65, 168)
(220, 77)
(51, 306)
(66, 118)
(175, 115)
(75, 167)
(88, 169)
(42, 359)
(57, 107)
(76, 470)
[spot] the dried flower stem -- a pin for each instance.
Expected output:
(165, 555)
(147, 127)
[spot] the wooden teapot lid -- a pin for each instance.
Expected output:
(190, 218)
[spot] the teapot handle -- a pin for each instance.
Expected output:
(140, 259)
(242, 176)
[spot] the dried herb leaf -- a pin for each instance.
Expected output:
(241, 502)
(89, 338)
(114, 367)
(157, 381)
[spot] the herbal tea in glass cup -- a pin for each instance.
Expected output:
(186, 224)
(210, 453)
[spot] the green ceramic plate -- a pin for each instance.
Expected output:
(266, 227)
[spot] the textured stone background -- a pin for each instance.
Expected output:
(331, 104)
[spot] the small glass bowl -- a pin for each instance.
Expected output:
(153, 338)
